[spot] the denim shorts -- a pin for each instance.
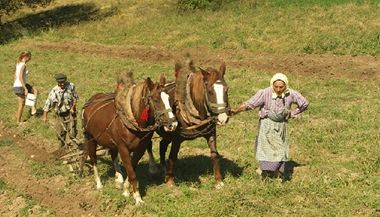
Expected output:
(19, 91)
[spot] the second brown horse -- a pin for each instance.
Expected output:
(201, 102)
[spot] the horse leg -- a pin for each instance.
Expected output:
(153, 167)
(211, 141)
(83, 159)
(90, 146)
(163, 148)
(119, 180)
(173, 156)
(132, 179)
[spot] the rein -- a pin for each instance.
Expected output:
(110, 97)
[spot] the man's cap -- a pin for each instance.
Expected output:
(60, 77)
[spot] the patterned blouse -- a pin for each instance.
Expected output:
(263, 97)
(61, 99)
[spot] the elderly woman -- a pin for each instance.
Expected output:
(274, 102)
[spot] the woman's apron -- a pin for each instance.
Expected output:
(272, 141)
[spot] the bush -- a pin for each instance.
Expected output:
(188, 5)
(9, 6)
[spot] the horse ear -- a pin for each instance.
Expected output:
(204, 72)
(149, 83)
(162, 79)
(190, 62)
(222, 69)
(177, 69)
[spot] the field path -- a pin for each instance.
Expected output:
(323, 66)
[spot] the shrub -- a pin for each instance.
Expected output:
(188, 5)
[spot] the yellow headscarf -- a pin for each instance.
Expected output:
(281, 77)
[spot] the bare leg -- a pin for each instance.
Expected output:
(34, 110)
(21, 104)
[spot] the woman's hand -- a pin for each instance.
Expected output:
(44, 117)
(73, 109)
(241, 108)
(233, 111)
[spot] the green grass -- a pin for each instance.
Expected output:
(271, 26)
(336, 142)
(322, 3)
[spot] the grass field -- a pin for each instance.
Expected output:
(334, 147)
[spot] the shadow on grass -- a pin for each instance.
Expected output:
(187, 169)
(289, 169)
(61, 16)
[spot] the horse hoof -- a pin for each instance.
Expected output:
(99, 186)
(170, 184)
(126, 194)
(258, 171)
(118, 185)
(139, 202)
(219, 185)
(138, 199)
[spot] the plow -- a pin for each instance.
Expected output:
(72, 155)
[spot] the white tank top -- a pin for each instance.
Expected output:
(17, 82)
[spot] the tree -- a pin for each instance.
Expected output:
(10, 6)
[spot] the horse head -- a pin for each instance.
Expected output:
(159, 102)
(216, 93)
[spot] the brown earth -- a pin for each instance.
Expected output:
(48, 192)
(323, 66)
(75, 200)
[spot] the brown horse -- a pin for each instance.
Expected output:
(201, 102)
(128, 130)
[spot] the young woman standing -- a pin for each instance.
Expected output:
(20, 86)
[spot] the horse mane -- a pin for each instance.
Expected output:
(136, 102)
(125, 79)
(131, 101)
(124, 82)
(198, 86)
(181, 78)
(189, 93)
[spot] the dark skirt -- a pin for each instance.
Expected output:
(272, 166)
(19, 91)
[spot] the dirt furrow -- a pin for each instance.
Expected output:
(51, 192)
(323, 66)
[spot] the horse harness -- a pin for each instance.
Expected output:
(191, 116)
(126, 117)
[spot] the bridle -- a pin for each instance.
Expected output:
(216, 108)
(158, 114)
